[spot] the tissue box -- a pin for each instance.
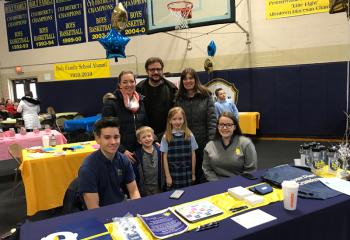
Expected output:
(239, 192)
(254, 199)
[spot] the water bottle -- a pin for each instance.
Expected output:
(317, 162)
(323, 154)
(53, 140)
(333, 163)
(307, 152)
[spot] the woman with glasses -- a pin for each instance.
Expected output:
(229, 153)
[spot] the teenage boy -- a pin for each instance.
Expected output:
(104, 172)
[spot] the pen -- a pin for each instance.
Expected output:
(207, 226)
(238, 208)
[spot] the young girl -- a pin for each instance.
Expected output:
(178, 145)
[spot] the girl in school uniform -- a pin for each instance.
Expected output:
(178, 145)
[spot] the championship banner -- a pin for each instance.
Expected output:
(70, 21)
(136, 17)
(43, 24)
(98, 15)
(289, 8)
(82, 70)
(17, 25)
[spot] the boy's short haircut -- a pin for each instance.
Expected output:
(108, 96)
(217, 91)
(105, 123)
(142, 130)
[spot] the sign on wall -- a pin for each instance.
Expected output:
(17, 25)
(82, 70)
(137, 14)
(289, 8)
(98, 16)
(43, 24)
(70, 21)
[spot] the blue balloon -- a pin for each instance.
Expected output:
(211, 49)
(115, 44)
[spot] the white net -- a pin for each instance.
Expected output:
(181, 11)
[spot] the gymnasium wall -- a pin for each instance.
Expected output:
(287, 62)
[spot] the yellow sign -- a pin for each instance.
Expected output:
(290, 8)
(82, 70)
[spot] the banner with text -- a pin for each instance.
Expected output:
(289, 8)
(17, 24)
(98, 15)
(43, 24)
(137, 17)
(70, 21)
(82, 70)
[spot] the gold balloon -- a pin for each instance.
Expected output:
(119, 18)
(208, 65)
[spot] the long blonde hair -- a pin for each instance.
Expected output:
(168, 131)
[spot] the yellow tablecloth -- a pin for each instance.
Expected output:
(249, 122)
(47, 177)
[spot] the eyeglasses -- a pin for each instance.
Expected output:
(226, 125)
(155, 69)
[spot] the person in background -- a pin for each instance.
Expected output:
(51, 117)
(178, 146)
(3, 113)
(127, 105)
(224, 105)
(29, 107)
(10, 108)
(196, 101)
(230, 153)
(103, 172)
(149, 162)
(159, 95)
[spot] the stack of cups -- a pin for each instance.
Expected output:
(290, 194)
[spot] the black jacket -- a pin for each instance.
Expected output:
(158, 101)
(128, 120)
(200, 115)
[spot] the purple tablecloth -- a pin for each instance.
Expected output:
(313, 219)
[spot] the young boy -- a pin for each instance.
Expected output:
(224, 105)
(149, 165)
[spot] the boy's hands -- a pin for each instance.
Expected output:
(130, 156)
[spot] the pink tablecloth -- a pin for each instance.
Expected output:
(29, 140)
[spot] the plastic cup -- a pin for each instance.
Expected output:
(290, 194)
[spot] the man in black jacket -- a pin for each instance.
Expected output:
(159, 95)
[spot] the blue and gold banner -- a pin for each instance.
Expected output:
(290, 8)
(136, 13)
(17, 24)
(98, 15)
(70, 21)
(43, 24)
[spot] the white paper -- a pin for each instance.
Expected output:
(337, 184)
(253, 218)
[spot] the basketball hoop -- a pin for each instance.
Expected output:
(182, 11)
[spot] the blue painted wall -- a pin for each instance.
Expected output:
(299, 100)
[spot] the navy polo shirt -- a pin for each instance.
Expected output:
(100, 175)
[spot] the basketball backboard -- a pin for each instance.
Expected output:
(203, 12)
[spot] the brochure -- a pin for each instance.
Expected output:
(194, 212)
(163, 224)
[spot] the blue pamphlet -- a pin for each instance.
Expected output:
(163, 224)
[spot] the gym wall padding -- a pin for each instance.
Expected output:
(297, 101)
